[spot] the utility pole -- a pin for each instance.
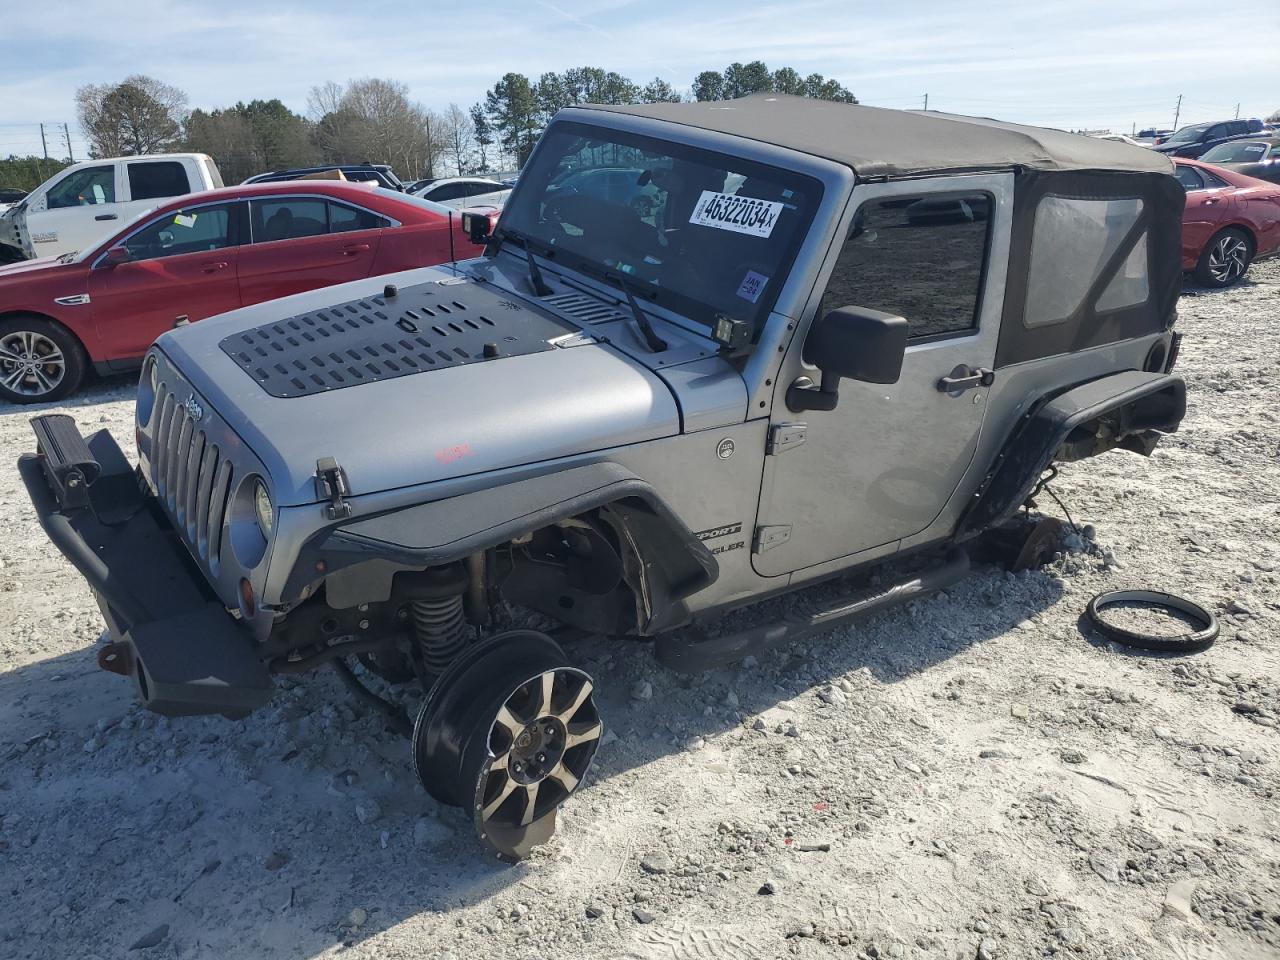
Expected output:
(926, 101)
(43, 142)
(1177, 112)
(1237, 111)
(67, 132)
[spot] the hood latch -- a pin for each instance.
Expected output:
(331, 485)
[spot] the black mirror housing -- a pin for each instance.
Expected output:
(851, 343)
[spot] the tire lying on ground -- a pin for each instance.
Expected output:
(1190, 642)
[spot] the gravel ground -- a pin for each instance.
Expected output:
(966, 777)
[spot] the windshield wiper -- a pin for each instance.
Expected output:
(540, 288)
(654, 342)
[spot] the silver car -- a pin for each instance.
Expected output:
(837, 337)
(459, 192)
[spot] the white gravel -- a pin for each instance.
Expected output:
(966, 777)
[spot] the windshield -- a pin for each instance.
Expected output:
(701, 233)
(1241, 151)
(1187, 134)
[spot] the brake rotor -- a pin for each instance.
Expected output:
(508, 731)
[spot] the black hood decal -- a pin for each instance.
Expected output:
(428, 326)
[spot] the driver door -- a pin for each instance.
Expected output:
(884, 463)
(182, 267)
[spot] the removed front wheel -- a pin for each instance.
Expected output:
(508, 732)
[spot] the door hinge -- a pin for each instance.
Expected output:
(784, 437)
(331, 485)
(769, 537)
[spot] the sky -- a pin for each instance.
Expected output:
(1078, 64)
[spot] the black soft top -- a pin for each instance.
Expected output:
(891, 143)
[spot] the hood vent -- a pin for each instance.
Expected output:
(583, 309)
(424, 327)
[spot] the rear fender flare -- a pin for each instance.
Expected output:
(1138, 402)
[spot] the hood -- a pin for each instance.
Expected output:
(30, 266)
(448, 377)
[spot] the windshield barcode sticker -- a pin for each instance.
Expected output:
(739, 214)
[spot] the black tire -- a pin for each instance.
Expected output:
(1192, 641)
(28, 372)
(1225, 258)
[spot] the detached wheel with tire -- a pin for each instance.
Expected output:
(40, 360)
(1225, 259)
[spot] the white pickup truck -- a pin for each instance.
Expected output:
(86, 201)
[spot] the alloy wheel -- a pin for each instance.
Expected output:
(31, 364)
(1228, 259)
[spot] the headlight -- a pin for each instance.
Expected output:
(147, 386)
(262, 508)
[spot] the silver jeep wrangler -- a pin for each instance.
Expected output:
(713, 353)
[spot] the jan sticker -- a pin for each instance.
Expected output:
(752, 286)
(738, 214)
(187, 220)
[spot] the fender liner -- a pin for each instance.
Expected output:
(1142, 402)
(442, 531)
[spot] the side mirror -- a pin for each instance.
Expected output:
(113, 258)
(852, 343)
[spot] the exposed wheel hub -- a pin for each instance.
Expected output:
(508, 731)
(537, 751)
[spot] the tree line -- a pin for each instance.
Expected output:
(375, 120)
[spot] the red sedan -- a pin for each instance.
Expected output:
(198, 256)
(1230, 220)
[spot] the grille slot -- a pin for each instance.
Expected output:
(192, 478)
(583, 309)
(364, 341)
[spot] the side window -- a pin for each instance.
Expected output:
(157, 178)
(197, 230)
(922, 258)
(1275, 151)
(1072, 242)
(88, 187)
(1189, 177)
(343, 219)
(478, 188)
(450, 191)
(288, 219)
(1212, 181)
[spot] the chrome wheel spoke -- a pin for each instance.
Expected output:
(530, 803)
(567, 713)
(7, 354)
(492, 806)
(14, 378)
(564, 776)
(509, 722)
(588, 733)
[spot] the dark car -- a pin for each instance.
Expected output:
(1257, 157)
(378, 173)
(1194, 140)
(10, 195)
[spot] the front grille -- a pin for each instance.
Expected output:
(192, 479)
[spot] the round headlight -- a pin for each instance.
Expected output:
(153, 373)
(262, 508)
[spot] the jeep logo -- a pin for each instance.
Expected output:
(194, 410)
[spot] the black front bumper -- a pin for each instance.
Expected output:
(170, 633)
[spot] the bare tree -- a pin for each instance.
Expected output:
(374, 120)
(459, 137)
(138, 115)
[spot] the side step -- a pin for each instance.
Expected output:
(691, 651)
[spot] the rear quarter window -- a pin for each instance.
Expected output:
(152, 180)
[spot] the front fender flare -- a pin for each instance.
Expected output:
(443, 531)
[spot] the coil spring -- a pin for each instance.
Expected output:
(442, 631)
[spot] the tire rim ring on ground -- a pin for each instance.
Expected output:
(31, 364)
(1182, 643)
(1228, 259)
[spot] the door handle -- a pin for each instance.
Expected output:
(962, 379)
(107, 216)
(354, 248)
(1209, 200)
(215, 267)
